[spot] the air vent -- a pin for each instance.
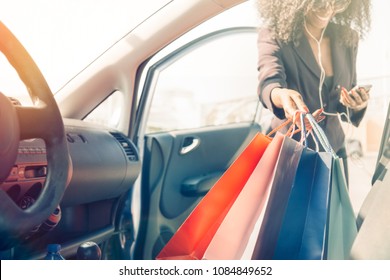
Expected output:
(126, 145)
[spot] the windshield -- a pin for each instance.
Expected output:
(64, 36)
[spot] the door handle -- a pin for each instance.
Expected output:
(189, 144)
(199, 186)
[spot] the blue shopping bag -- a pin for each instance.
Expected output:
(302, 235)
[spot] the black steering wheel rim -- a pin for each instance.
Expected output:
(43, 120)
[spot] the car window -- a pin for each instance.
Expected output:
(207, 83)
(109, 112)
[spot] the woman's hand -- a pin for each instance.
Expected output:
(297, 119)
(356, 99)
(289, 100)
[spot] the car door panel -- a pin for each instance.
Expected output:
(173, 183)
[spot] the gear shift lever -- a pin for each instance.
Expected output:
(89, 251)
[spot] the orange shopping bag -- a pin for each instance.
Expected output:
(233, 235)
(193, 237)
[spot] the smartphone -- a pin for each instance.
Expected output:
(366, 87)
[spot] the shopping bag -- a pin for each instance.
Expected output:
(318, 221)
(341, 225)
(280, 190)
(342, 228)
(302, 234)
(231, 238)
(193, 236)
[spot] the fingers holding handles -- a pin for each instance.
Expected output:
(292, 103)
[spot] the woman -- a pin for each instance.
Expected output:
(307, 60)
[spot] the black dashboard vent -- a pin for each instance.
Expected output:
(126, 145)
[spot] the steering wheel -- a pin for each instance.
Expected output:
(43, 120)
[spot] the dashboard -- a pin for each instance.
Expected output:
(105, 164)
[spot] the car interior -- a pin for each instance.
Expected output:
(122, 153)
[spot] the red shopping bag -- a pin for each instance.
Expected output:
(193, 237)
(231, 239)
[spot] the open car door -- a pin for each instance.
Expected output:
(202, 110)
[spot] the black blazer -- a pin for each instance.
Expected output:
(293, 66)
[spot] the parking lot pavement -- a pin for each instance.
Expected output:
(361, 171)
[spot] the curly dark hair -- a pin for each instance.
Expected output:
(285, 19)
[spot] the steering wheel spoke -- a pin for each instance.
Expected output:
(36, 122)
